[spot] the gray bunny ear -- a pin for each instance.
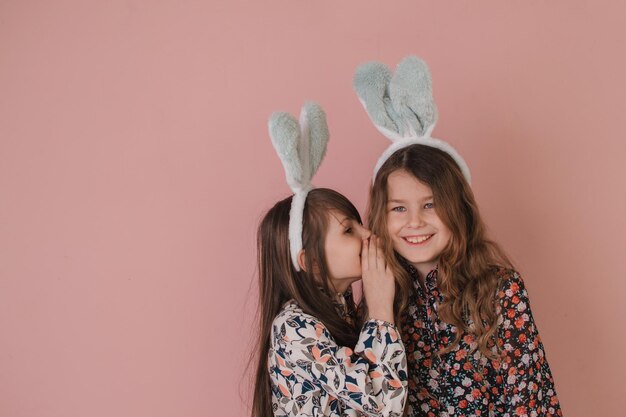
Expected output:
(285, 133)
(370, 82)
(301, 148)
(411, 95)
(314, 118)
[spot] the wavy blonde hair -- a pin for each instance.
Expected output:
(468, 265)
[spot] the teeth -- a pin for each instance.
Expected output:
(418, 239)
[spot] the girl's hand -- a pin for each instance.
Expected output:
(379, 285)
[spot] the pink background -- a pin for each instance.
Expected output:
(135, 165)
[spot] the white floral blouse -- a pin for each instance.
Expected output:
(312, 376)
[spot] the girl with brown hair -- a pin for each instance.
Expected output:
(472, 345)
(315, 357)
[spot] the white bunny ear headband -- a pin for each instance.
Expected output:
(301, 147)
(401, 106)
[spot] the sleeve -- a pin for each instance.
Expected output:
(528, 386)
(372, 379)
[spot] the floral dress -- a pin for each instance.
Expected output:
(464, 382)
(312, 376)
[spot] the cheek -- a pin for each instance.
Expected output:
(440, 225)
(446, 234)
(393, 225)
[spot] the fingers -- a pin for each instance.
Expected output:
(380, 256)
(389, 272)
(372, 255)
(373, 252)
(365, 255)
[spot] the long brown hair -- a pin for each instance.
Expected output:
(280, 282)
(467, 267)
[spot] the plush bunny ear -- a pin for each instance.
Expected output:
(411, 94)
(285, 133)
(370, 82)
(314, 118)
(402, 106)
(301, 148)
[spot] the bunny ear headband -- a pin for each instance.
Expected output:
(401, 106)
(301, 147)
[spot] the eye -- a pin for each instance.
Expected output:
(349, 230)
(399, 209)
(429, 205)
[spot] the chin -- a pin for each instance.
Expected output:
(416, 259)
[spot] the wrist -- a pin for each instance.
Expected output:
(381, 314)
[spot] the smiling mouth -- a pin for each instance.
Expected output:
(417, 240)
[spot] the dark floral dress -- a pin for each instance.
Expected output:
(313, 376)
(464, 382)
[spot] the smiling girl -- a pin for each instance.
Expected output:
(472, 344)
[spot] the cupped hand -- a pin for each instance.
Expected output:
(378, 282)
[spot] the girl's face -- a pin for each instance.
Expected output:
(344, 239)
(417, 232)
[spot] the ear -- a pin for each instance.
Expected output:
(411, 94)
(314, 118)
(370, 83)
(284, 131)
(302, 260)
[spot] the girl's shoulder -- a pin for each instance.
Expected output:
(292, 310)
(510, 283)
(506, 274)
(293, 323)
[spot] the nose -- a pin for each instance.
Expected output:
(415, 219)
(364, 232)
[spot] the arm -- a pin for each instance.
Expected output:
(528, 385)
(371, 379)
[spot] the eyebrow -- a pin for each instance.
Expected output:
(430, 197)
(344, 219)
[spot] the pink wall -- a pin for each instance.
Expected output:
(135, 165)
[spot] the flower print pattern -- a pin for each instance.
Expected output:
(529, 387)
(464, 382)
(312, 376)
(344, 305)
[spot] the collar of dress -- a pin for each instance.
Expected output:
(431, 278)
